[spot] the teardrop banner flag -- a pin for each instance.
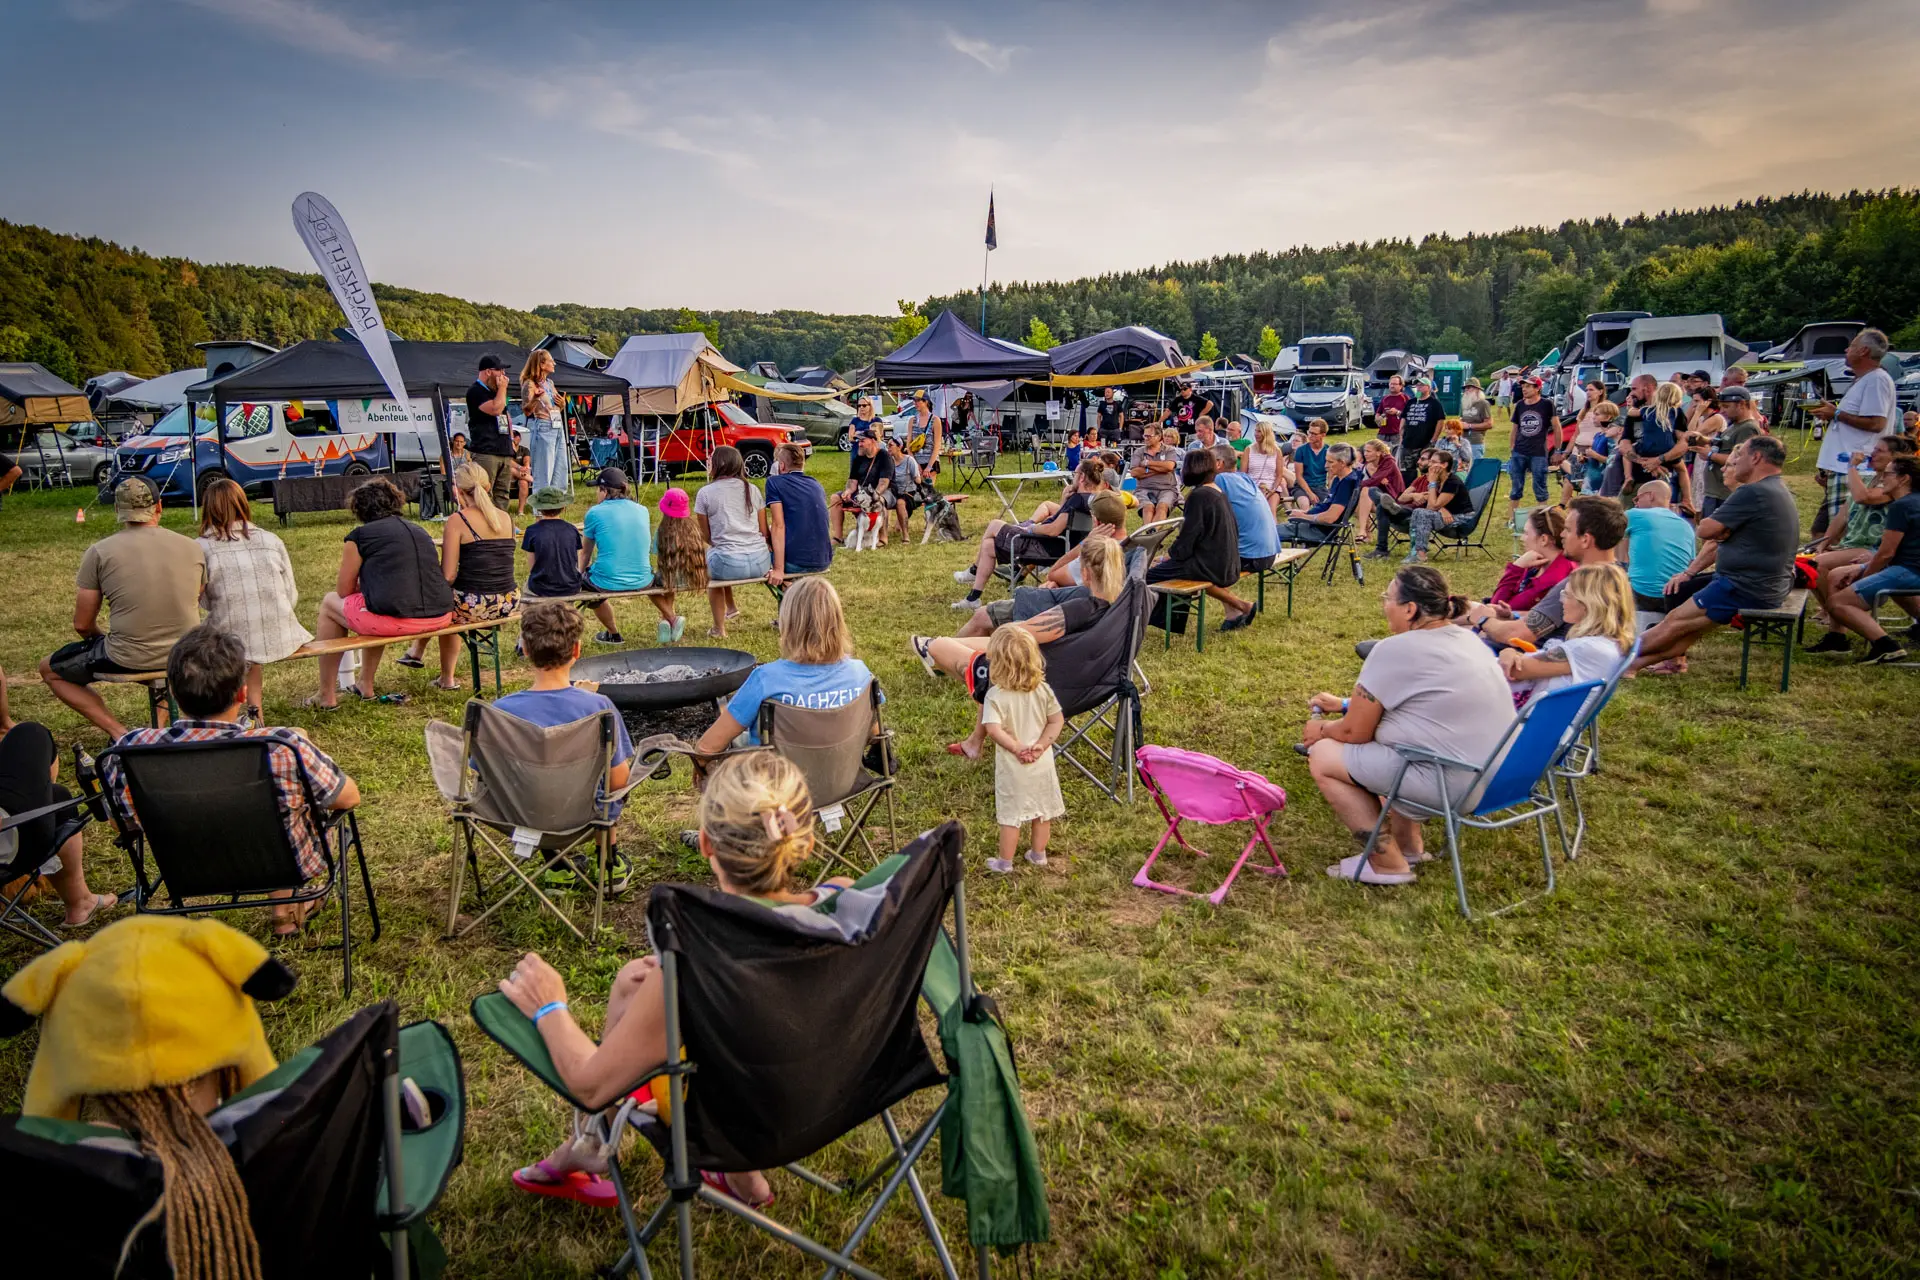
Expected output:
(326, 236)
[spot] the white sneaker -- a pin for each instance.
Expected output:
(968, 605)
(963, 575)
(1038, 857)
(1345, 868)
(1000, 866)
(923, 650)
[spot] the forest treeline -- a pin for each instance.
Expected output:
(85, 305)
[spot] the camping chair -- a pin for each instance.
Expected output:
(1187, 784)
(1032, 554)
(829, 995)
(72, 815)
(1581, 759)
(182, 791)
(1148, 538)
(314, 1142)
(978, 461)
(832, 748)
(532, 796)
(1483, 480)
(1514, 784)
(1339, 538)
(1092, 675)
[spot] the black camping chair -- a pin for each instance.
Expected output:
(1338, 538)
(833, 1003)
(70, 817)
(182, 791)
(1092, 674)
(1148, 538)
(506, 780)
(1032, 554)
(314, 1142)
(1483, 480)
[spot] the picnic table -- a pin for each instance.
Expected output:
(1019, 480)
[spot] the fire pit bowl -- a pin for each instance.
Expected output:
(726, 670)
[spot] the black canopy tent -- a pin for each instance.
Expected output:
(319, 370)
(947, 352)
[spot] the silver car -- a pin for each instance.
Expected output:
(49, 456)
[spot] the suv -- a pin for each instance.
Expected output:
(261, 446)
(1338, 396)
(823, 421)
(687, 448)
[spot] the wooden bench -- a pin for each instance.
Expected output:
(481, 638)
(643, 593)
(155, 683)
(1286, 566)
(1766, 626)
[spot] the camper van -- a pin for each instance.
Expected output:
(1337, 395)
(1665, 345)
(265, 442)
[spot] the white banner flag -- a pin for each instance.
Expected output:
(327, 239)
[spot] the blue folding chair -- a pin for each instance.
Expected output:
(1513, 784)
(1582, 756)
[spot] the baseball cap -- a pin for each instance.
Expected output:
(1701, 374)
(134, 499)
(549, 498)
(611, 478)
(1735, 393)
(674, 503)
(491, 362)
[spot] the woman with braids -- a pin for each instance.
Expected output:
(756, 828)
(1430, 684)
(148, 1026)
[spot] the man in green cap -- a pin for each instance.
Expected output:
(149, 579)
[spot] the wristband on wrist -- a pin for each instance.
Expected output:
(552, 1006)
(1344, 704)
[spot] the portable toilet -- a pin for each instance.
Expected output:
(1449, 380)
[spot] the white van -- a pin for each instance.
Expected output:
(1665, 345)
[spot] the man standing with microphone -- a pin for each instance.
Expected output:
(487, 439)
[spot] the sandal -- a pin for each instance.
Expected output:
(296, 921)
(542, 1179)
(384, 699)
(312, 703)
(718, 1181)
(101, 902)
(408, 660)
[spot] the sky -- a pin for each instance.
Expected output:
(837, 157)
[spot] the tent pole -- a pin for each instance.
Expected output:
(986, 256)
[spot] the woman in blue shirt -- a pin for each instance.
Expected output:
(815, 668)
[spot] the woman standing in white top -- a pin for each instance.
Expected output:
(734, 517)
(1261, 462)
(546, 422)
(250, 590)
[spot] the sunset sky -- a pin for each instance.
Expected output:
(837, 157)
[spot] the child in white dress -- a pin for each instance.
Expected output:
(1597, 603)
(1022, 717)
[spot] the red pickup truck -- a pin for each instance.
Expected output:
(688, 447)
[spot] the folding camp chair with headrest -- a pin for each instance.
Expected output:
(1512, 785)
(1336, 538)
(829, 995)
(1032, 554)
(834, 749)
(533, 795)
(313, 1141)
(183, 790)
(1188, 785)
(1092, 675)
(1581, 759)
(1483, 481)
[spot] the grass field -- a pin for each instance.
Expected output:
(1698, 1057)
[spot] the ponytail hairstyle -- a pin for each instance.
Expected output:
(757, 818)
(727, 464)
(1549, 521)
(1425, 588)
(1102, 564)
(471, 479)
(1608, 599)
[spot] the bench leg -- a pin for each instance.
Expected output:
(1260, 592)
(1167, 621)
(1200, 635)
(1786, 657)
(1746, 645)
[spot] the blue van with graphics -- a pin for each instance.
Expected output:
(266, 441)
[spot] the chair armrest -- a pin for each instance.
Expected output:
(1420, 755)
(21, 819)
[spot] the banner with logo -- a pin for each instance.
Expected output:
(412, 418)
(325, 234)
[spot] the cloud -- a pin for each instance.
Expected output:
(311, 27)
(995, 58)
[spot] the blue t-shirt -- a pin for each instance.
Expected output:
(1313, 467)
(622, 546)
(798, 684)
(1341, 493)
(549, 708)
(803, 514)
(1597, 471)
(1259, 536)
(555, 548)
(1659, 545)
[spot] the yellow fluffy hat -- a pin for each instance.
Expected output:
(148, 1002)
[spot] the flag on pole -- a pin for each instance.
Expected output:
(993, 238)
(325, 234)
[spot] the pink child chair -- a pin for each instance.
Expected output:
(1188, 784)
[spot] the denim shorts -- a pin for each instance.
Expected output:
(1894, 580)
(1721, 600)
(730, 566)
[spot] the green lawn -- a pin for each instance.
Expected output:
(1697, 1057)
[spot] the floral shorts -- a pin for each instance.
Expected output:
(484, 606)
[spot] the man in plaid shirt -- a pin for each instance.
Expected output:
(207, 674)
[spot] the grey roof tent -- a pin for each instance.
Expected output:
(1119, 350)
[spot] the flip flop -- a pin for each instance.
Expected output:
(101, 902)
(718, 1181)
(408, 660)
(312, 703)
(576, 1184)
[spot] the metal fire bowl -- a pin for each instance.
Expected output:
(731, 668)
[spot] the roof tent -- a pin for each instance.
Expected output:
(669, 373)
(32, 396)
(946, 351)
(1328, 351)
(1120, 350)
(816, 375)
(574, 349)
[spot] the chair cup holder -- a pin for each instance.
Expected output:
(437, 1108)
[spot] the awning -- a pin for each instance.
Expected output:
(732, 383)
(1152, 373)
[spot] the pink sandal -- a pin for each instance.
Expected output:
(718, 1181)
(576, 1184)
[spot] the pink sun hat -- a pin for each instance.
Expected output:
(674, 503)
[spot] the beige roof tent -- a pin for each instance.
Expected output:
(32, 396)
(668, 373)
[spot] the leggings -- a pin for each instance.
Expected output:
(27, 754)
